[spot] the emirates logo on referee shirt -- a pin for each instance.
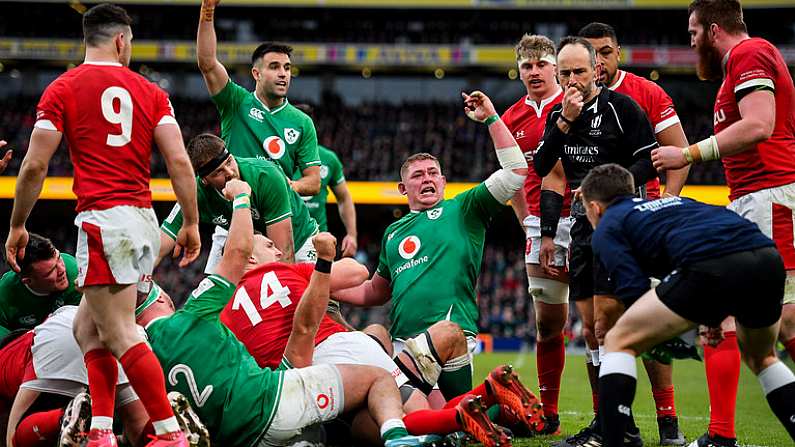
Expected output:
(409, 247)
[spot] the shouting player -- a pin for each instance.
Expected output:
(754, 118)
(111, 117)
(430, 274)
(535, 56)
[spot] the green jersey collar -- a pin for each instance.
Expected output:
(427, 209)
(268, 109)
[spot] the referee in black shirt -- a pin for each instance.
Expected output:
(592, 126)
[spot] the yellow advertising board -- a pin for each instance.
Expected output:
(364, 193)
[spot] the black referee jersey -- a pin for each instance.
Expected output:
(611, 128)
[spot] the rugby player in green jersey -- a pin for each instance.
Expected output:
(261, 123)
(45, 283)
(430, 259)
(241, 403)
(278, 212)
(332, 177)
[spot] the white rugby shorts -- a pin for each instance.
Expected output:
(773, 211)
(356, 348)
(116, 246)
(533, 245)
(309, 396)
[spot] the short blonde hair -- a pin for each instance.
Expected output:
(416, 157)
(534, 46)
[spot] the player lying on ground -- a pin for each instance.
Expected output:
(241, 403)
(712, 262)
(43, 370)
(269, 302)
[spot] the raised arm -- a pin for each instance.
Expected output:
(43, 144)
(504, 183)
(169, 140)
(214, 73)
(313, 304)
(240, 241)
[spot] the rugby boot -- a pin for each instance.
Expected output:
(586, 433)
(505, 387)
(101, 438)
(170, 439)
(551, 425)
(714, 441)
(669, 431)
(189, 422)
(475, 421)
(415, 441)
(75, 421)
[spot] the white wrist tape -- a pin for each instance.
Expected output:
(503, 184)
(709, 148)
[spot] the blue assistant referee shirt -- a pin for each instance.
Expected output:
(638, 238)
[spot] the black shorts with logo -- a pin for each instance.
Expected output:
(587, 275)
(748, 285)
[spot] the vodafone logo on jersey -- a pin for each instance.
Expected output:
(274, 147)
(409, 247)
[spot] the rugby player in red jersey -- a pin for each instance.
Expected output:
(535, 57)
(754, 119)
(111, 117)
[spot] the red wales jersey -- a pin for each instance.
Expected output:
(261, 312)
(17, 361)
(108, 115)
(526, 120)
(751, 65)
(657, 105)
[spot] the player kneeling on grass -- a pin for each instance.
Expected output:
(713, 263)
(241, 403)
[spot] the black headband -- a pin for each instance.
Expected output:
(207, 168)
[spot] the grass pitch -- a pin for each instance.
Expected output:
(756, 424)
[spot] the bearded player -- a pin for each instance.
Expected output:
(430, 259)
(111, 118)
(535, 56)
(754, 118)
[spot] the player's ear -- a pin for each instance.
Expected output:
(255, 73)
(402, 188)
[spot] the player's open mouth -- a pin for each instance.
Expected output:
(536, 82)
(428, 190)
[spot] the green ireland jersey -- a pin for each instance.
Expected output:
(272, 201)
(21, 308)
(204, 361)
(432, 260)
(252, 130)
(330, 175)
